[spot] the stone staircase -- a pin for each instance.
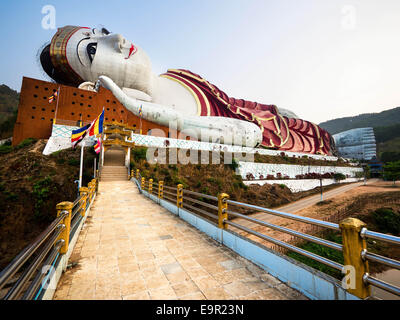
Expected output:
(114, 173)
(114, 166)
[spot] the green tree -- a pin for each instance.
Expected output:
(392, 171)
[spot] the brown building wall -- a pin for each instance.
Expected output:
(36, 114)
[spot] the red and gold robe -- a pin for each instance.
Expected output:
(279, 132)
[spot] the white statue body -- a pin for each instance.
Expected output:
(125, 69)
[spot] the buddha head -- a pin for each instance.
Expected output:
(77, 54)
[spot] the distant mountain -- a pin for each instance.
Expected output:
(9, 100)
(382, 119)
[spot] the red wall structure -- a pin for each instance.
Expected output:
(36, 115)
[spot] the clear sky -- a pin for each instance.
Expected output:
(320, 59)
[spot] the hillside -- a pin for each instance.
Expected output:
(31, 185)
(382, 119)
(9, 100)
(386, 128)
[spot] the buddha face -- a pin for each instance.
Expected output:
(90, 53)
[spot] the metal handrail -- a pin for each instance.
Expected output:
(26, 253)
(19, 285)
(329, 225)
(33, 287)
(213, 216)
(381, 259)
(167, 192)
(365, 233)
(77, 208)
(308, 254)
(77, 200)
(381, 284)
(202, 203)
(295, 233)
(170, 199)
(170, 188)
(200, 194)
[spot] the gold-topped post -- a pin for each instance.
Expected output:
(84, 191)
(64, 235)
(353, 246)
(179, 196)
(222, 210)
(150, 186)
(161, 189)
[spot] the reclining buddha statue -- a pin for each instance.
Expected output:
(84, 57)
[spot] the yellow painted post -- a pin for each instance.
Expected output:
(64, 235)
(84, 191)
(137, 174)
(222, 210)
(179, 196)
(161, 189)
(150, 186)
(91, 190)
(94, 184)
(353, 245)
(143, 183)
(132, 174)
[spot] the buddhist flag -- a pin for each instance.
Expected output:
(140, 111)
(97, 146)
(78, 135)
(51, 99)
(96, 126)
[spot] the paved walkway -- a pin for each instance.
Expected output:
(131, 248)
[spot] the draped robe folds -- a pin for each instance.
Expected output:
(279, 132)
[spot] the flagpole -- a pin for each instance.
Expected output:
(58, 97)
(81, 166)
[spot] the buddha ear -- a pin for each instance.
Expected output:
(118, 47)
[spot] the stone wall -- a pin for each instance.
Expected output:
(262, 170)
(301, 184)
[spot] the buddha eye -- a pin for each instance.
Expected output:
(91, 50)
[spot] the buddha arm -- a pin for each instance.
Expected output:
(208, 129)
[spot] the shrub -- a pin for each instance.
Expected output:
(26, 142)
(387, 220)
(5, 149)
(234, 165)
(41, 194)
(73, 162)
(339, 176)
(139, 153)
